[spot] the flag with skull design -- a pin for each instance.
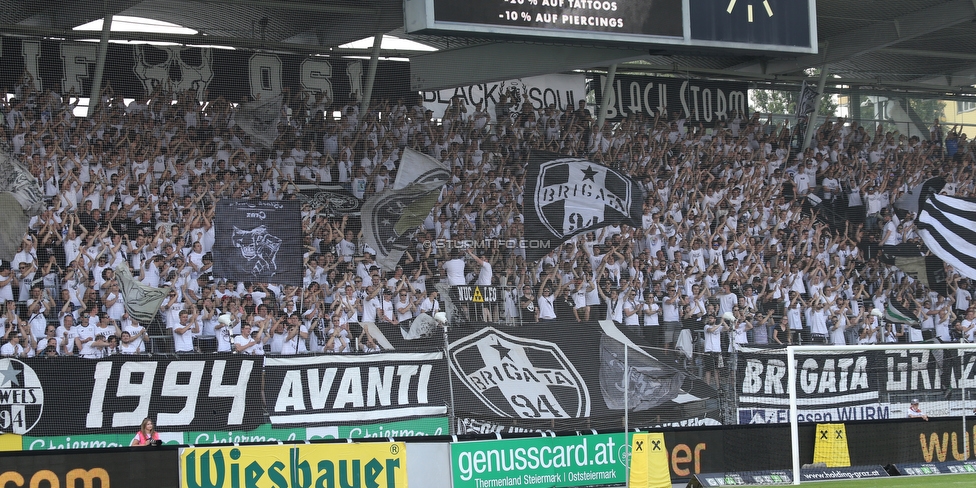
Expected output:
(258, 240)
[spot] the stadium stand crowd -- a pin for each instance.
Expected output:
(729, 241)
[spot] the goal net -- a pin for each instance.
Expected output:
(880, 401)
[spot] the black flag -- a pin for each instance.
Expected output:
(566, 196)
(258, 240)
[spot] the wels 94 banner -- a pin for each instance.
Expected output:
(258, 240)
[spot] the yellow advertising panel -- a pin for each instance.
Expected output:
(375, 465)
(649, 461)
(830, 446)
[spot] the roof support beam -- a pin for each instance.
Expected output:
(506, 61)
(877, 36)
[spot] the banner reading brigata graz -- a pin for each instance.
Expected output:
(864, 385)
(531, 378)
(134, 70)
(705, 102)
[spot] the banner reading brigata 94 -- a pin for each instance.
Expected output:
(566, 196)
(258, 240)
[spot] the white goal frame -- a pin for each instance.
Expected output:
(792, 376)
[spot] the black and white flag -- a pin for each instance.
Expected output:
(259, 119)
(948, 227)
(20, 198)
(390, 217)
(258, 240)
(807, 102)
(567, 196)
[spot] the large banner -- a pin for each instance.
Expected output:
(70, 403)
(845, 386)
(373, 465)
(563, 91)
(705, 102)
(135, 70)
(259, 240)
(71, 396)
(529, 379)
(335, 388)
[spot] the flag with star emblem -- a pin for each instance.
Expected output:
(567, 196)
(415, 192)
(389, 218)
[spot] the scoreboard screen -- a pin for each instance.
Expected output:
(775, 25)
(632, 17)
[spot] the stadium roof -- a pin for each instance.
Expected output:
(914, 46)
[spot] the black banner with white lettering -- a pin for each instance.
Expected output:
(512, 378)
(705, 102)
(874, 384)
(66, 396)
(567, 196)
(334, 389)
(258, 240)
(135, 70)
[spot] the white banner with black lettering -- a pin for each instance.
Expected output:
(564, 91)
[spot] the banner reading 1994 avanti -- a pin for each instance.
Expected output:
(375, 465)
(540, 461)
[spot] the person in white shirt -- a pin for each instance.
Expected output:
(183, 331)
(248, 343)
(296, 338)
(12, 348)
(454, 269)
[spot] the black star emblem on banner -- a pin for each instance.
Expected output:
(588, 173)
(502, 351)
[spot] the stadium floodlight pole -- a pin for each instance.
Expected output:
(601, 117)
(791, 380)
(812, 118)
(96, 91)
(374, 59)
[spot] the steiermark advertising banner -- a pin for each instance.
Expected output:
(540, 461)
(265, 433)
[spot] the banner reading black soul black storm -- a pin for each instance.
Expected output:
(703, 102)
(258, 240)
(58, 397)
(867, 385)
(335, 389)
(567, 196)
(529, 378)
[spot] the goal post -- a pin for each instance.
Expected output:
(948, 379)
